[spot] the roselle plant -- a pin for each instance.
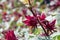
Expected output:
(28, 20)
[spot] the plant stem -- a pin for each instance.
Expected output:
(37, 18)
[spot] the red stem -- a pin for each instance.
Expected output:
(37, 18)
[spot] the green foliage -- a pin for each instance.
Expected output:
(31, 36)
(38, 1)
(41, 1)
(56, 37)
(0, 18)
(19, 24)
(37, 31)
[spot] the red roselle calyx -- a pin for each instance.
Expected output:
(49, 26)
(9, 35)
(30, 21)
(42, 16)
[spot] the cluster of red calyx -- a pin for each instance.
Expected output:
(32, 21)
(49, 26)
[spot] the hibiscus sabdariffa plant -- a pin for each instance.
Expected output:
(47, 26)
(22, 19)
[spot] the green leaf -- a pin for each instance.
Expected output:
(19, 24)
(31, 36)
(37, 1)
(36, 31)
(56, 37)
(41, 1)
(0, 20)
